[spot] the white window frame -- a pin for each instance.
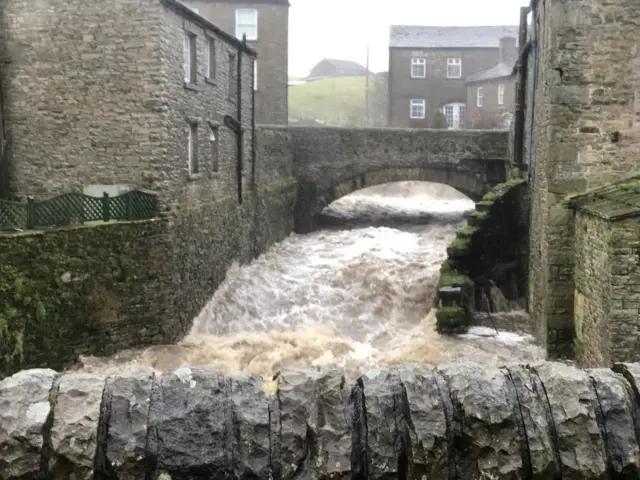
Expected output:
(255, 75)
(194, 167)
(186, 61)
(454, 63)
(418, 103)
(419, 62)
(455, 121)
(241, 28)
(501, 94)
(479, 96)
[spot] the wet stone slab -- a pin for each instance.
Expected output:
(24, 410)
(573, 404)
(616, 407)
(485, 428)
(316, 424)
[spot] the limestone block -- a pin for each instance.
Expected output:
(384, 410)
(75, 425)
(573, 408)
(616, 407)
(250, 440)
(538, 424)
(485, 432)
(189, 423)
(426, 423)
(24, 409)
(314, 406)
(125, 412)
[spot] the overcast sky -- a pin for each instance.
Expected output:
(342, 28)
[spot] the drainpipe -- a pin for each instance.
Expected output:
(253, 125)
(521, 92)
(534, 82)
(239, 136)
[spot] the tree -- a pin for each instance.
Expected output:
(378, 99)
(439, 120)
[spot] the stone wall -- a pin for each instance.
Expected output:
(98, 289)
(489, 253)
(109, 108)
(607, 288)
(459, 420)
(492, 113)
(585, 134)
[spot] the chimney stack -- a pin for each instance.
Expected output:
(508, 51)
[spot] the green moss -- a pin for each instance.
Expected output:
(454, 279)
(451, 319)
(479, 214)
(466, 231)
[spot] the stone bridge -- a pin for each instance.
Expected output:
(460, 420)
(332, 162)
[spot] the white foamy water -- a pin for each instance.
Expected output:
(357, 298)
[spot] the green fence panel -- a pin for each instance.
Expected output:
(13, 215)
(77, 208)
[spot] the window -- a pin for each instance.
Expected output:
(418, 67)
(213, 139)
(417, 108)
(233, 75)
(189, 58)
(479, 97)
(454, 113)
(501, 94)
(247, 23)
(211, 58)
(448, 113)
(194, 168)
(454, 67)
(255, 75)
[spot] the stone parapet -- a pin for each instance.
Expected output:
(459, 420)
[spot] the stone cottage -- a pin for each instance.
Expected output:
(606, 303)
(111, 95)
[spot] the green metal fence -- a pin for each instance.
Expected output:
(77, 208)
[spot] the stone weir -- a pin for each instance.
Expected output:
(460, 420)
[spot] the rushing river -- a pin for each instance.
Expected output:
(358, 297)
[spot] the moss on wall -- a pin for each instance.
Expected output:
(96, 289)
(488, 249)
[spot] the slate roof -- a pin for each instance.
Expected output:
(409, 36)
(612, 202)
(497, 71)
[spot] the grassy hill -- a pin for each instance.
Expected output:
(334, 101)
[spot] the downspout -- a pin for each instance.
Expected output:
(521, 92)
(253, 125)
(534, 82)
(239, 136)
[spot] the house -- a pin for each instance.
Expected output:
(491, 92)
(428, 68)
(123, 98)
(329, 67)
(266, 26)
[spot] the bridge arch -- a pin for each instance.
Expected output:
(313, 198)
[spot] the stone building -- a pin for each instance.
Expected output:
(266, 26)
(491, 92)
(428, 68)
(330, 67)
(607, 274)
(585, 135)
(116, 95)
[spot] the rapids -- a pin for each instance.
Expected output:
(353, 296)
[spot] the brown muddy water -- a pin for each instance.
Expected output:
(357, 297)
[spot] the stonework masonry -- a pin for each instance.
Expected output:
(102, 87)
(333, 162)
(272, 47)
(586, 133)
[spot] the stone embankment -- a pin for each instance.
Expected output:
(457, 421)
